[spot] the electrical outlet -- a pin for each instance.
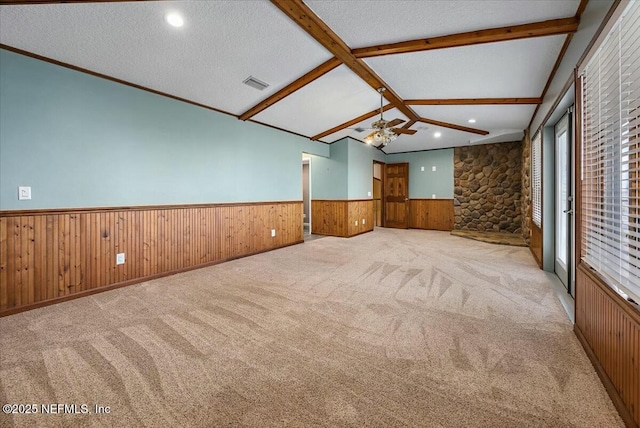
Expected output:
(433, 168)
(421, 168)
(356, 222)
(273, 233)
(433, 196)
(364, 221)
(369, 194)
(120, 259)
(24, 193)
(304, 215)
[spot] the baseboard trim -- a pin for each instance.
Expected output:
(13, 311)
(360, 233)
(626, 416)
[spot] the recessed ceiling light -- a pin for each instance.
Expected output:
(174, 19)
(471, 121)
(437, 134)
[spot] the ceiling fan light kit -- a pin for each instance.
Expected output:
(383, 132)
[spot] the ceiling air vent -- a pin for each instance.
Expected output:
(255, 83)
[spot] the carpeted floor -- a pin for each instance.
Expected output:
(390, 328)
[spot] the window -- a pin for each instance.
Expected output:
(536, 180)
(611, 156)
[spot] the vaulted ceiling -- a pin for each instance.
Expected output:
(443, 63)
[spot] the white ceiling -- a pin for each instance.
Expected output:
(337, 97)
(355, 21)
(518, 68)
(223, 42)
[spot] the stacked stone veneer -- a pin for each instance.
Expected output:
(487, 187)
(526, 188)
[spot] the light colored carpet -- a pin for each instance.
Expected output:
(390, 328)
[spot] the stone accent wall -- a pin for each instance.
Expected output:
(526, 188)
(487, 187)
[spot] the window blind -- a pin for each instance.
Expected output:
(610, 172)
(536, 180)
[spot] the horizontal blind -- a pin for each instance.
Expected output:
(611, 156)
(536, 180)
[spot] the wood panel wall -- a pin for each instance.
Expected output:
(609, 329)
(48, 256)
(431, 214)
(338, 217)
(360, 212)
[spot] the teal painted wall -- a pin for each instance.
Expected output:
(82, 141)
(329, 175)
(424, 184)
(360, 174)
(347, 174)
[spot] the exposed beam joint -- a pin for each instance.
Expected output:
(453, 126)
(473, 101)
(351, 122)
(317, 72)
(552, 27)
(302, 15)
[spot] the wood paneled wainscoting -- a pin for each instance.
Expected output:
(48, 256)
(338, 217)
(431, 214)
(609, 329)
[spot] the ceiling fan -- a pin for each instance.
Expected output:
(383, 130)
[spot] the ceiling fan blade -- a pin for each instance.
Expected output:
(394, 122)
(404, 131)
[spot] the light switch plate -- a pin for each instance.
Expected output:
(273, 233)
(364, 221)
(433, 196)
(421, 168)
(24, 193)
(356, 222)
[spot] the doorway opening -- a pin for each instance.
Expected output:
(306, 196)
(378, 186)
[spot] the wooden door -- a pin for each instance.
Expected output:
(396, 195)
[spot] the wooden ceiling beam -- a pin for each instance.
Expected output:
(551, 27)
(317, 72)
(351, 122)
(473, 101)
(453, 126)
(567, 41)
(581, 7)
(409, 124)
(302, 15)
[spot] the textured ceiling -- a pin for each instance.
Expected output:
(518, 68)
(338, 96)
(223, 42)
(358, 22)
